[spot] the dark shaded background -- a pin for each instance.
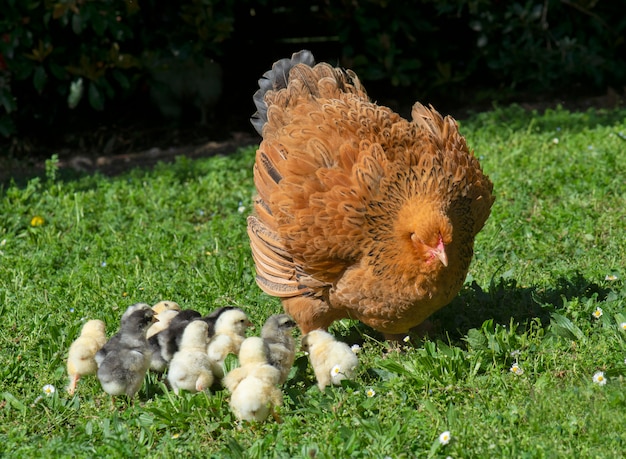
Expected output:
(461, 56)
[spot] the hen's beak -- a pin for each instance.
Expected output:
(440, 252)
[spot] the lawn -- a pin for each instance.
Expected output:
(507, 369)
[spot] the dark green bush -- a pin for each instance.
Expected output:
(69, 60)
(443, 46)
(83, 55)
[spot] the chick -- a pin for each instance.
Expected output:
(332, 360)
(132, 308)
(125, 364)
(211, 319)
(253, 385)
(190, 368)
(169, 339)
(276, 333)
(230, 331)
(113, 342)
(165, 318)
(157, 363)
(81, 355)
(162, 306)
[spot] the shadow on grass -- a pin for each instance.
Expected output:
(503, 301)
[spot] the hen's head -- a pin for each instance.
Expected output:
(426, 233)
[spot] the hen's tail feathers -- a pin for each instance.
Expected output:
(275, 79)
(299, 76)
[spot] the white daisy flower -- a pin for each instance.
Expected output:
(406, 339)
(356, 348)
(597, 313)
(370, 392)
(445, 437)
(516, 369)
(599, 378)
(610, 277)
(623, 326)
(49, 389)
(336, 370)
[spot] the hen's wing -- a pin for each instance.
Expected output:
(312, 172)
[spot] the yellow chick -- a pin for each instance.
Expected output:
(253, 385)
(190, 368)
(81, 355)
(277, 334)
(127, 359)
(230, 331)
(162, 306)
(165, 318)
(332, 360)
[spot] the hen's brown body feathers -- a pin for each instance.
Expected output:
(360, 213)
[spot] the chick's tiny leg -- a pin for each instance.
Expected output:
(277, 417)
(73, 382)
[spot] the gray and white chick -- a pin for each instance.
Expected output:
(190, 368)
(277, 334)
(254, 384)
(332, 360)
(127, 360)
(113, 342)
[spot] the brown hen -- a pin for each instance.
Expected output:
(360, 213)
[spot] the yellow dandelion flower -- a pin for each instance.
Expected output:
(37, 221)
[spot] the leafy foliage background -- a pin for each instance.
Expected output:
(74, 62)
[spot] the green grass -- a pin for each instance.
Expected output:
(178, 232)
